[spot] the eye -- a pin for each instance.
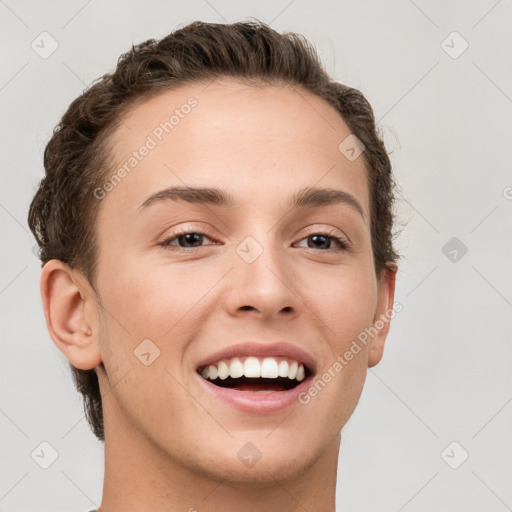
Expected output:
(320, 240)
(194, 238)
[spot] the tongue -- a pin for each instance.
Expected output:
(260, 387)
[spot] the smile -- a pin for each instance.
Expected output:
(263, 375)
(257, 378)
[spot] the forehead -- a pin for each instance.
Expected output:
(260, 143)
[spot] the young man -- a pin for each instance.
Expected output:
(215, 226)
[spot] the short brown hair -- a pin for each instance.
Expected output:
(76, 159)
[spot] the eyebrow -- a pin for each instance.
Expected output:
(306, 197)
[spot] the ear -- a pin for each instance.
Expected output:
(383, 314)
(69, 305)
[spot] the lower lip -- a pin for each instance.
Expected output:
(257, 403)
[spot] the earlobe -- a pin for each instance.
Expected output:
(70, 315)
(383, 314)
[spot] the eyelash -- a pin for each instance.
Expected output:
(342, 244)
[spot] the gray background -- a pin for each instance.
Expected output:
(446, 371)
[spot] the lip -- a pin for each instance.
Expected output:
(258, 349)
(256, 403)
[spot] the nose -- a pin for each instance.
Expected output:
(265, 286)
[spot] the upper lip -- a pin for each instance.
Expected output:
(262, 349)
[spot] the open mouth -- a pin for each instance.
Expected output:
(259, 375)
(255, 384)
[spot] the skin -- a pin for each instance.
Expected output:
(169, 445)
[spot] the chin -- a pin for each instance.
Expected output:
(245, 463)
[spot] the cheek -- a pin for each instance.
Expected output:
(139, 391)
(163, 304)
(345, 300)
(350, 304)
(144, 308)
(147, 300)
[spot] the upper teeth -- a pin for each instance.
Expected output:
(253, 367)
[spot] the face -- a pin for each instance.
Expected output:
(258, 277)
